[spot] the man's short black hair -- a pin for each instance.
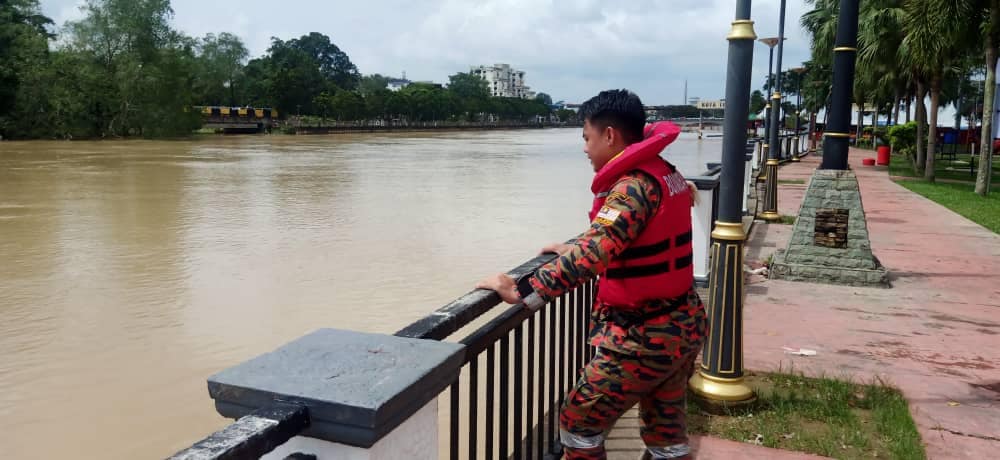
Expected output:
(618, 108)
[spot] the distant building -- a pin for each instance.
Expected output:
(396, 84)
(712, 105)
(694, 101)
(503, 81)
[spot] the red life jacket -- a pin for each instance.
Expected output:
(657, 264)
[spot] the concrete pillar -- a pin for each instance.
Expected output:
(417, 437)
(367, 397)
(701, 221)
(747, 174)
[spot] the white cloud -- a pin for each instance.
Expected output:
(569, 49)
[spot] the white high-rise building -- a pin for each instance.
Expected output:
(503, 81)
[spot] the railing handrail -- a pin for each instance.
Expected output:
(460, 312)
(251, 436)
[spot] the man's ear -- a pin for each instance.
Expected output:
(610, 135)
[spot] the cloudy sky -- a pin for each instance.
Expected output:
(570, 49)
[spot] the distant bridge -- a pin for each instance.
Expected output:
(237, 119)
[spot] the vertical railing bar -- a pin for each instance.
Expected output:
(571, 325)
(473, 406)
(504, 394)
(542, 359)
(571, 347)
(518, 389)
(490, 409)
(453, 448)
(588, 308)
(529, 396)
(584, 343)
(553, 383)
(564, 363)
(580, 340)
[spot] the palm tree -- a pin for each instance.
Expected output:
(936, 31)
(990, 32)
(821, 24)
(879, 37)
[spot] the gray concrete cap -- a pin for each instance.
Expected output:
(357, 386)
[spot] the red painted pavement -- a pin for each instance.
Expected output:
(935, 334)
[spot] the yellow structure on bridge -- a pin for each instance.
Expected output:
(238, 119)
(244, 112)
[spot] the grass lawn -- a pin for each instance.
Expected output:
(822, 416)
(961, 199)
(944, 168)
(957, 196)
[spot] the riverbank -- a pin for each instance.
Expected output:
(206, 133)
(342, 128)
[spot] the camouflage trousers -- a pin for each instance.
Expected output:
(610, 384)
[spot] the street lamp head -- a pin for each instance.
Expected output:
(770, 41)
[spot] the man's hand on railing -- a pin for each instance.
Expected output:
(504, 285)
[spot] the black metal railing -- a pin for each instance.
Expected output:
(251, 436)
(549, 346)
(510, 412)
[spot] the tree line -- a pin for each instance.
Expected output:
(909, 51)
(123, 71)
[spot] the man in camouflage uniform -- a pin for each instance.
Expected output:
(645, 354)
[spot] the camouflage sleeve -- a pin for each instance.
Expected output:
(630, 204)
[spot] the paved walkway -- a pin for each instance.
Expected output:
(935, 334)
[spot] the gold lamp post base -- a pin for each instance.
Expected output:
(795, 158)
(770, 216)
(721, 392)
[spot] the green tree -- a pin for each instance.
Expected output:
(397, 105)
(471, 92)
(258, 83)
(544, 99)
(293, 78)
(294, 73)
(935, 31)
(334, 64)
(991, 34)
(348, 105)
(24, 59)
(221, 60)
(566, 115)
(376, 103)
(757, 101)
(135, 72)
(789, 83)
(372, 83)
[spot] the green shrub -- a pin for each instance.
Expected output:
(903, 138)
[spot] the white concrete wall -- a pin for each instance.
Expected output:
(701, 222)
(416, 438)
(746, 184)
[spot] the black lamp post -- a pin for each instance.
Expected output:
(720, 376)
(836, 136)
(770, 212)
(796, 148)
(771, 42)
